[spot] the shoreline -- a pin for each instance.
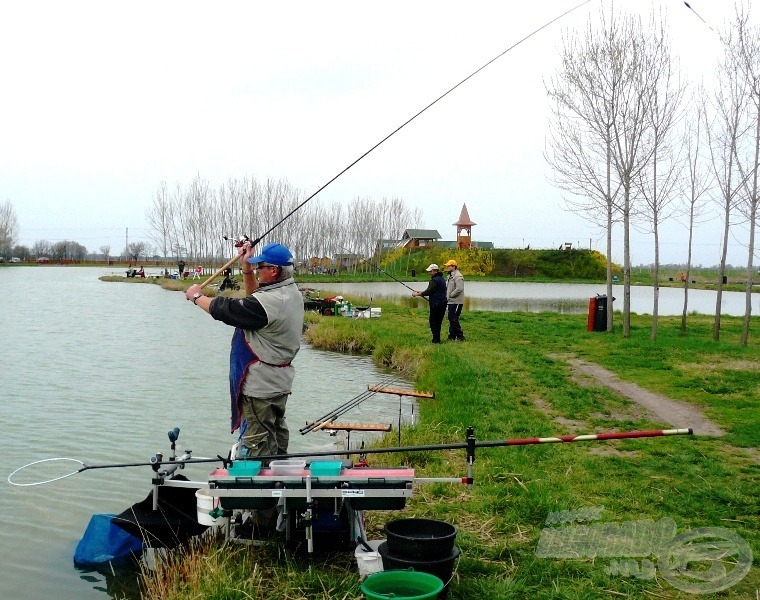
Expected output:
(513, 378)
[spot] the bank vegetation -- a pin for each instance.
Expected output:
(513, 378)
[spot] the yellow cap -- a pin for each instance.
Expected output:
(451, 263)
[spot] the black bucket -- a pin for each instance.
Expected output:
(443, 568)
(420, 538)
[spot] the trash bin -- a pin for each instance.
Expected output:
(597, 313)
(414, 272)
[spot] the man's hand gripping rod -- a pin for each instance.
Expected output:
(238, 244)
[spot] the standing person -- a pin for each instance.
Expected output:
(181, 268)
(227, 281)
(436, 294)
(455, 299)
(268, 323)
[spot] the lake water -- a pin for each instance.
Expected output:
(101, 372)
(572, 298)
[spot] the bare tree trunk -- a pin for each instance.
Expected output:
(688, 271)
(656, 282)
(609, 271)
(721, 275)
(697, 182)
(627, 263)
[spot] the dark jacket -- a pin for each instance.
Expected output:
(436, 290)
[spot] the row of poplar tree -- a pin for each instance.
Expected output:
(633, 143)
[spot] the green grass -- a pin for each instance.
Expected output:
(510, 380)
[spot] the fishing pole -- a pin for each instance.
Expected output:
(470, 444)
(374, 266)
(238, 242)
(698, 16)
(345, 407)
(404, 124)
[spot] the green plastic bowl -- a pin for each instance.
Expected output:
(401, 585)
(325, 468)
(244, 468)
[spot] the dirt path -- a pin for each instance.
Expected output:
(673, 412)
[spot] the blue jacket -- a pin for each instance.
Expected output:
(436, 291)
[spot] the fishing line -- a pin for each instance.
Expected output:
(400, 127)
(374, 266)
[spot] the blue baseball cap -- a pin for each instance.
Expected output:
(273, 254)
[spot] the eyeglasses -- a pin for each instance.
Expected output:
(267, 267)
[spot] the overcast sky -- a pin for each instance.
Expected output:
(102, 101)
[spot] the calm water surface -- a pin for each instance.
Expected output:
(571, 298)
(101, 372)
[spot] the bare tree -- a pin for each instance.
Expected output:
(105, 251)
(725, 134)
(8, 228)
(747, 57)
(135, 250)
(41, 248)
(199, 219)
(657, 182)
(695, 183)
(68, 250)
(160, 218)
(643, 59)
(580, 148)
(602, 98)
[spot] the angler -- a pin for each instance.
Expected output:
(268, 322)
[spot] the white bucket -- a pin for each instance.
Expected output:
(205, 503)
(368, 561)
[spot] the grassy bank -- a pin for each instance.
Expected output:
(512, 379)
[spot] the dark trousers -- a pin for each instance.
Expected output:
(455, 329)
(436, 320)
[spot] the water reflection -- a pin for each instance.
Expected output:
(570, 298)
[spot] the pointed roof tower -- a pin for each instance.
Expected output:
(464, 218)
(464, 229)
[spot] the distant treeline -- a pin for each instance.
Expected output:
(541, 264)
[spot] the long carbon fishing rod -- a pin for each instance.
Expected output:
(392, 277)
(405, 123)
(345, 407)
(470, 444)
(698, 16)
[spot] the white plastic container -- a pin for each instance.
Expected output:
(367, 561)
(373, 312)
(204, 505)
(287, 467)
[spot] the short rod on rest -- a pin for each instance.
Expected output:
(399, 420)
(470, 454)
(389, 390)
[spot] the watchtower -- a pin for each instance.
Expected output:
(464, 229)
